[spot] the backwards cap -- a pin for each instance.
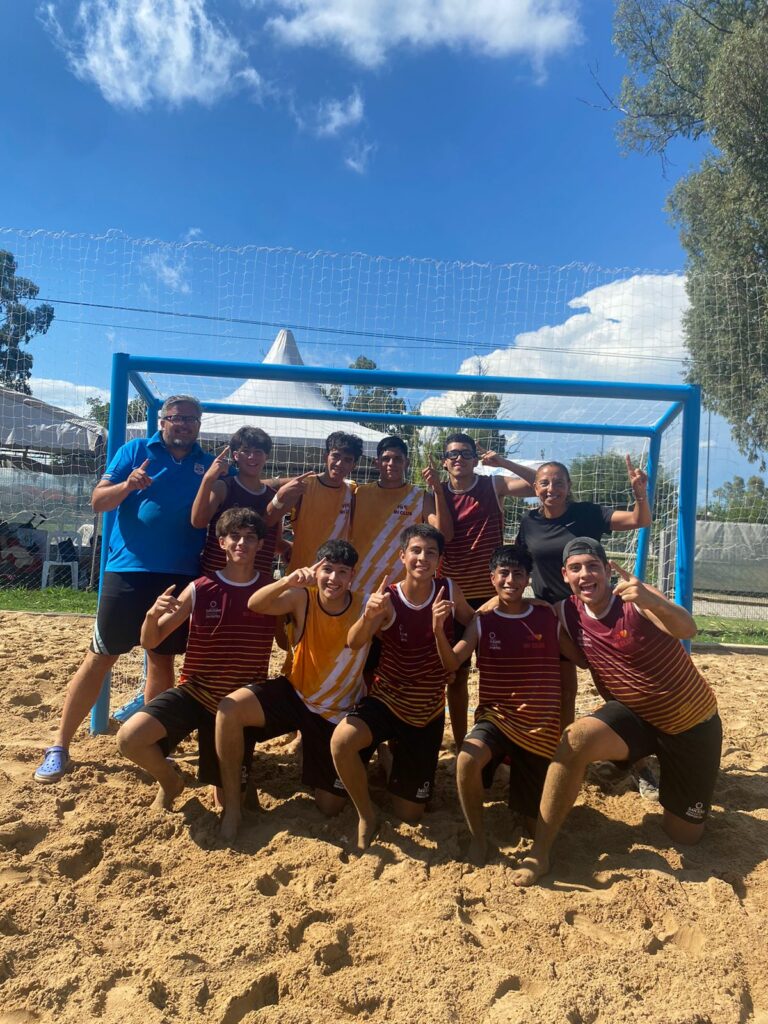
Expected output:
(584, 546)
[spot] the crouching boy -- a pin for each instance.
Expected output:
(228, 646)
(518, 713)
(406, 701)
(321, 685)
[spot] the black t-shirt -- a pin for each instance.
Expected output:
(546, 540)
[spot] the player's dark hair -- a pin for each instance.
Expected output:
(250, 437)
(232, 519)
(337, 551)
(509, 555)
(388, 444)
(461, 439)
(426, 532)
(344, 443)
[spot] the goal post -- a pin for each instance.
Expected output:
(150, 377)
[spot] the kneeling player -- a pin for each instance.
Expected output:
(406, 701)
(323, 682)
(228, 646)
(518, 713)
(656, 701)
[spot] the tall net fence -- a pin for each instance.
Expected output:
(112, 293)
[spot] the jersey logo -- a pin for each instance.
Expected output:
(422, 793)
(697, 811)
(199, 468)
(493, 642)
(403, 634)
(213, 610)
(400, 510)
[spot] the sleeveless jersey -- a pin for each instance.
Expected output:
(633, 661)
(410, 678)
(325, 513)
(381, 514)
(326, 674)
(518, 657)
(228, 645)
(237, 496)
(478, 529)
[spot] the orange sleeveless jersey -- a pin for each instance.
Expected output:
(325, 513)
(381, 514)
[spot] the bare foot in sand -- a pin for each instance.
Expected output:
(530, 871)
(217, 797)
(366, 832)
(230, 823)
(477, 852)
(166, 795)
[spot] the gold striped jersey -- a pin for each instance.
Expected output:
(326, 674)
(478, 529)
(381, 514)
(228, 645)
(518, 658)
(325, 513)
(410, 678)
(636, 663)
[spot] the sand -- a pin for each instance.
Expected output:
(111, 913)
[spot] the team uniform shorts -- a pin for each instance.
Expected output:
(284, 712)
(125, 599)
(414, 748)
(182, 714)
(527, 771)
(689, 761)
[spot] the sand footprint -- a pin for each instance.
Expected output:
(270, 884)
(265, 991)
(297, 933)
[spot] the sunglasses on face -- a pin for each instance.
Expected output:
(181, 419)
(463, 453)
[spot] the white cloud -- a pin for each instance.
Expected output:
(368, 29)
(67, 395)
(170, 270)
(142, 51)
(191, 234)
(359, 155)
(334, 116)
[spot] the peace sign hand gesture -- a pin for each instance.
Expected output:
(430, 474)
(490, 458)
(379, 603)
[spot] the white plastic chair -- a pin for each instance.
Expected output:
(51, 563)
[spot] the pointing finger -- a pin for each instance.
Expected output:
(144, 465)
(621, 572)
(440, 594)
(630, 467)
(383, 585)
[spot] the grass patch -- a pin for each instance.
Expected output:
(713, 629)
(52, 599)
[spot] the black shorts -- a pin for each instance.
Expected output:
(415, 748)
(181, 714)
(527, 771)
(688, 762)
(125, 599)
(284, 712)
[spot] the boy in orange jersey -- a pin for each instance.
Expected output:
(228, 646)
(656, 701)
(518, 647)
(324, 679)
(406, 700)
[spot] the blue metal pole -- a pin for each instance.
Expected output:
(118, 416)
(644, 539)
(686, 531)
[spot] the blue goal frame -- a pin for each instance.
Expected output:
(682, 399)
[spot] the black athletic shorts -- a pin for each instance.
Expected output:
(181, 714)
(527, 771)
(414, 748)
(125, 599)
(284, 712)
(688, 762)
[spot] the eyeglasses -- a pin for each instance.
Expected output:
(247, 452)
(182, 419)
(460, 453)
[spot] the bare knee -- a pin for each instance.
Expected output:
(328, 803)
(349, 739)
(575, 746)
(468, 764)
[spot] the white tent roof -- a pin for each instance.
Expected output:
(287, 394)
(27, 423)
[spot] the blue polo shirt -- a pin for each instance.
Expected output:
(152, 530)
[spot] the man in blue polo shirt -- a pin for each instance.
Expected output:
(152, 483)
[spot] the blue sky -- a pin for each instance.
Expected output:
(378, 136)
(393, 127)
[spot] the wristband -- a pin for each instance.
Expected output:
(277, 505)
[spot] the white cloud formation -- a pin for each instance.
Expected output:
(142, 51)
(169, 269)
(368, 29)
(67, 395)
(334, 116)
(358, 156)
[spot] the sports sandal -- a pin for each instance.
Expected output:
(55, 763)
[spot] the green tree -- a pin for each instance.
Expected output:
(21, 322)
(698, 71)
(99, 411)
(603, 479)
(737, 502)
(362, 399)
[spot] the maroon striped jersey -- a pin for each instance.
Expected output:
(518, 657)
(633, 661)
(238, 496)
(410, 678)
(478, 529)
(228, 645)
